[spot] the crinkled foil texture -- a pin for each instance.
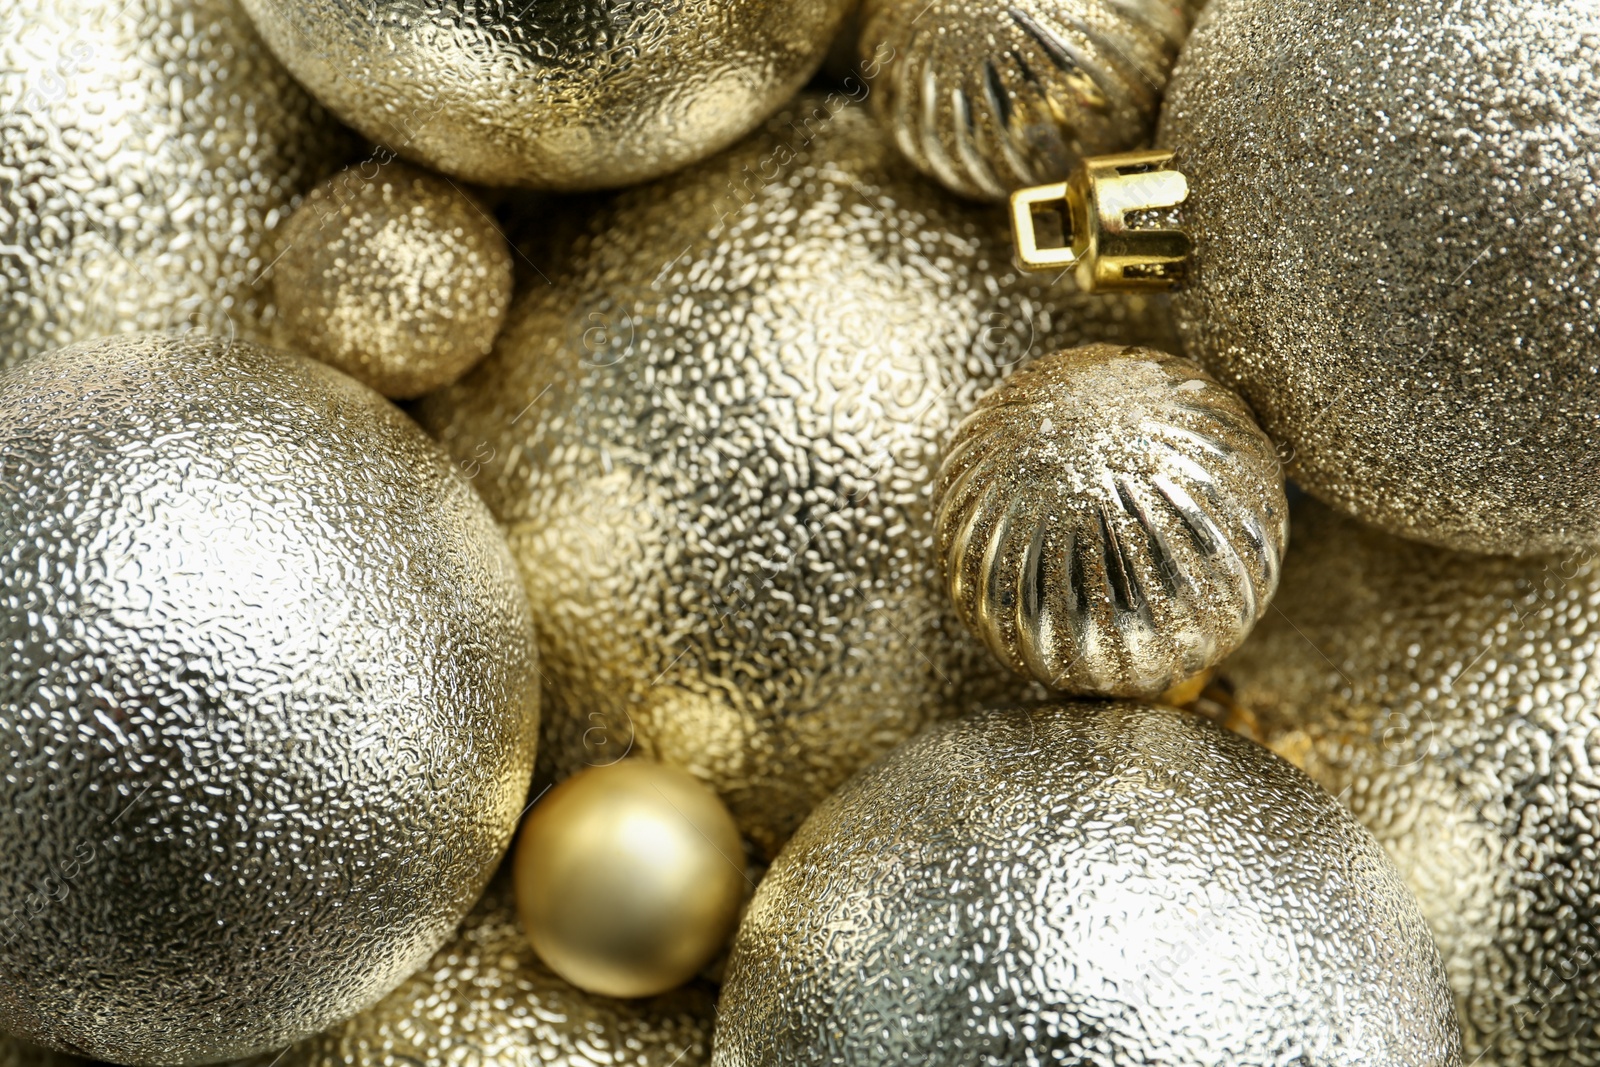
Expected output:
(268, 698)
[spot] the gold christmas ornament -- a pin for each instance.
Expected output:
(1397, 254)
(147, 149)
(397, 277)
(713, 439)
(988, 96)
(1110, 521)
(486, 1000)
(566, 94)
(1451, 701)
(1084, 883)
(268, 698)
(629, 878)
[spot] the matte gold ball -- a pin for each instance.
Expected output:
(395, 276)
(629, 878)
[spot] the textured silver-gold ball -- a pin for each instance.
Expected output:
(147, 150)
(1110, 521)
(561, 94)
(396, 276)
(268, 698)
(1106, 883)
(1397, 254)
(1452, 701)
(713, 439)
(987, 96)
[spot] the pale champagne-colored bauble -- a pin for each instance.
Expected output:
(1453, 701)
(629, 878)
(268, 698)
(396, 276)
(1397, 253)
(987, 96)
(147, 150)
(712, 441)
(559, 94)
(1075, 883)
(1111, 521)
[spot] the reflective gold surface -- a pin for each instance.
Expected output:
(712, 438)
(629, 878)
(1453, 701)
(1110, 520)
(1083, 883)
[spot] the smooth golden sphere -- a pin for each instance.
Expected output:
(629, 878)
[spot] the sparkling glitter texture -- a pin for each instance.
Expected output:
(1396, 216)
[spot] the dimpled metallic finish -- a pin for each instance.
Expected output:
(1453, 701)
(485, 1000)
(1083, 883)
(987, 96)
(713, 441)
(1110, 521)
(399, 279)
(552, 94)
(1396, 218)
(147, 150)
(268, 698)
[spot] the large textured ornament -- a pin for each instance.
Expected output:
(398, 278)
(486, 1000)
(1111, 521)
(557, 94)
(713, 441)
(1397, 253)
(268, 698)
(1453, 701)
(1114, 884)
(987, 96)
(147, 150)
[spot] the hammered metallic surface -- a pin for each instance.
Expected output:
(713, 440)
(400, 278)
(1396, 217)
(1453, 701)
(1110, 521)
(268, 698)
(987, 96)
(485, 1000)
(552, 94)
(1115, 884)
(147, 150)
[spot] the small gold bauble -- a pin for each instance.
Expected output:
(147, 148)
(1077, 883)
(987, 96)
(1452, 701)
(629, 878)
(712, 441)
(1110, 521)
(395, 276)
(268, 698)
(557, 94)
(1397, 253)
(485, 1000)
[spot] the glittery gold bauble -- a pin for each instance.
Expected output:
(393, 275)
(712, 439)
(1397, 253)
(147, 149)
(1084, 883)
(988, 96)
(1111, 521)
(485, 1000)
(1453, 701)
(629, 878)
(268, 698)
(559, 94)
